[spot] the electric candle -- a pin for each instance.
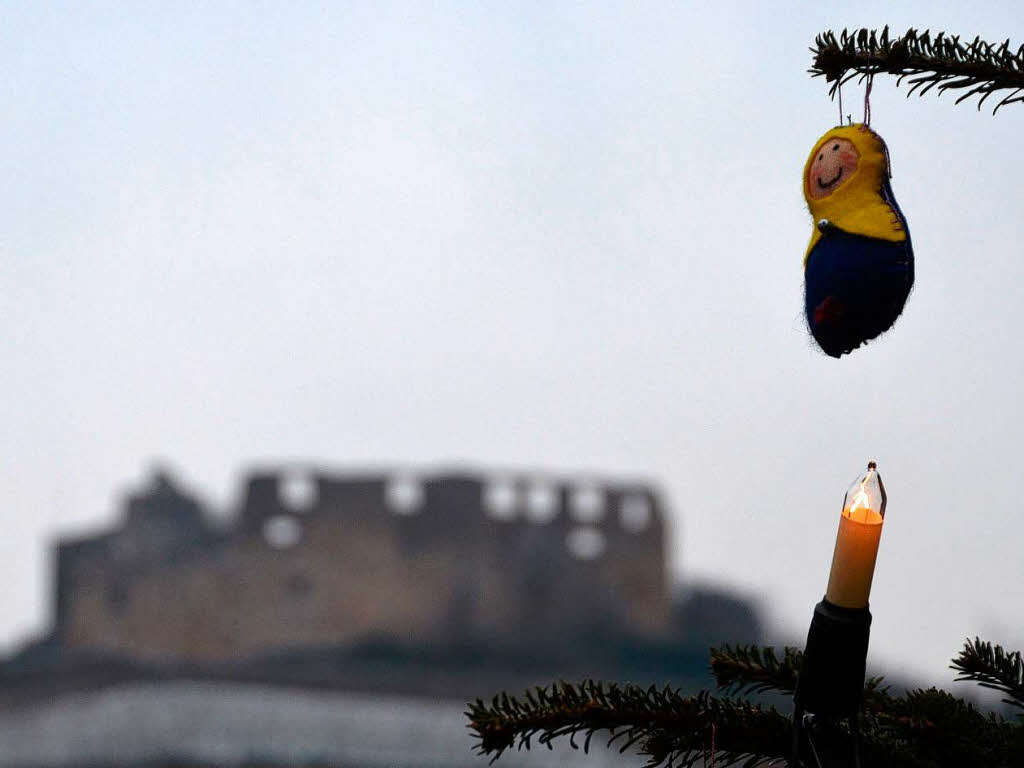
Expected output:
(831, 681)
(860, 529)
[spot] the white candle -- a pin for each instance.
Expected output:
(860, 530)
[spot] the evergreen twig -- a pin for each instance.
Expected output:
(670, 728)
(992, 667)
(919, 729)
(934, 728)
(750, 669)
(943, 61)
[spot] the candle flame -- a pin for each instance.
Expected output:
(860, 506)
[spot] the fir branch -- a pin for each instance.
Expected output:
(876, 695)
(943, 61)
(670, 728)
(750, 669)
(920, 729)
(934, 728)
(732, 731)
(992, 667)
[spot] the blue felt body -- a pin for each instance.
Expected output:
(855, 286)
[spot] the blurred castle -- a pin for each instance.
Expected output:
(313, 560)
(338, 619)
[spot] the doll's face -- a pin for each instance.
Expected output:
(832, 167)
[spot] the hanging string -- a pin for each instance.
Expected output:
(839, 89)
(867, 99)
(704, 751)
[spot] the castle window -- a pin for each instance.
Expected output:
(587, 504)
(541, 503)
(635, 513)
(405, 495)
(585, 543)
(282, 531)
(297, 492)
(501, 500)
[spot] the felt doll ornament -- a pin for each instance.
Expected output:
(859, 266)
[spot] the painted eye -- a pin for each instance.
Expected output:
(821, 156)
(835, 147)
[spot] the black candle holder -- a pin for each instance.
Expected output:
(831, 687)
(831, 682)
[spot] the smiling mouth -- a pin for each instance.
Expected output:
(824, 185)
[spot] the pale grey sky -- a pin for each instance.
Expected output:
(555, 235)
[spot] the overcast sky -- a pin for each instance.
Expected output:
(564, 236)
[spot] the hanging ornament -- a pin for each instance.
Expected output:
(859, 266)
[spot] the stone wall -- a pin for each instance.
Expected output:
(311, 559)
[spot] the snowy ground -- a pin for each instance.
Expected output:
(228, 724)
